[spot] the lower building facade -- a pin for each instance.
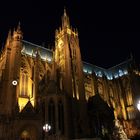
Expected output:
(42, 87)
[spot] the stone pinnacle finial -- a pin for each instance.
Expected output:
(65, 19)
(18, 27)
(65, 13)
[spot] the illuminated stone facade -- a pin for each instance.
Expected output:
(39, 85)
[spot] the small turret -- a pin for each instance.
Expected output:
(9, 38)
(9, 35)
(17, 34)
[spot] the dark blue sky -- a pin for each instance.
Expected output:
(108, 32)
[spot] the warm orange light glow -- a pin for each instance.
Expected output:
(26, 93)
(22, 102)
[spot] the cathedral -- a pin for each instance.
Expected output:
(52, 94)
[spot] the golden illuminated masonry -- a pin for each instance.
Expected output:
(40, 85)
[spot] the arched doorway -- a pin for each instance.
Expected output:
(101, 117)
(28, 133)
(25, 135)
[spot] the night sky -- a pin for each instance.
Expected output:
(108, 32)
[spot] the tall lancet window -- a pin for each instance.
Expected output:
(129, 97)
(61, 117)
(51, 116)
(24, 85)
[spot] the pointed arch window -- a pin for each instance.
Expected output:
(61, 117)
(51, 116)
(100, 88)
(25, 80)
(48, 75)
(24, 85)
(111, 94)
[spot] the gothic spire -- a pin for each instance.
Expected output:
(9, 37)
(17, 34)
(18, 28)
(131, 55)
(65, 19)
(65, 14)
(9, 34)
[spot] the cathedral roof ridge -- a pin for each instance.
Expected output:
(39, 46)
(120, 64)
(99, 67)
(94, 65)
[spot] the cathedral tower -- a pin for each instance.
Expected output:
(70, 71)
(68, 59)
(12, 69)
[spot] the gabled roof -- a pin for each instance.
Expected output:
(28, 109)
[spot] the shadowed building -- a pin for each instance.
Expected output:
(54, 86)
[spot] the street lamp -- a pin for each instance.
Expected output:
(46, 127)
(138, 105)
(14, 82)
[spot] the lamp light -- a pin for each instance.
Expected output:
(14, 82)
(46, 127)
(138, 106)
